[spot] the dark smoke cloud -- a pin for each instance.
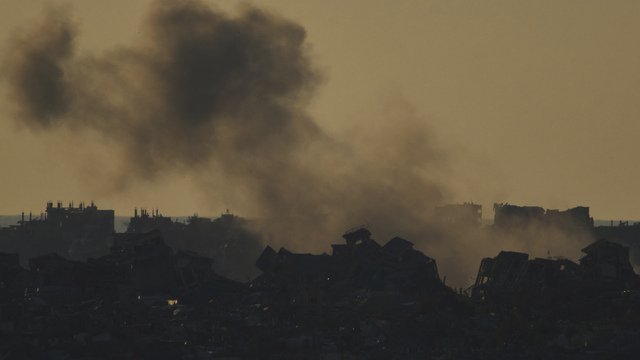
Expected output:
(209, 92)
(202, 79)
(37, 71)
(223, 96)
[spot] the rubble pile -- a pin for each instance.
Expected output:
(364, 301)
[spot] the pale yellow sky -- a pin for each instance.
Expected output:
(536, 103)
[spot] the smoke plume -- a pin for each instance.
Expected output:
(36, 70)
(205, 91)
(223, 96)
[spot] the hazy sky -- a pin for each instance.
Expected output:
(531, 103)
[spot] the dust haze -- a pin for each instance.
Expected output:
(223, 96)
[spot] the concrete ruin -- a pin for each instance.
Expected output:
(604, 267)
(460, 215)
(359, 265)
(518, 217)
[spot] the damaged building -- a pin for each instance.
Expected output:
(75, 232)
(360, 264)
(145, 222)
(607, 263)
(226, 239)
(510, 272)
(460, 215)
(519, 217)
(605, 266)
(624, 233)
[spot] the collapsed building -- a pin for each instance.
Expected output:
(605, 267)
(607, 263)
(511, 271)
(360, 264)
(624, 233)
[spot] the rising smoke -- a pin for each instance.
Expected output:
(36, 70)
(206, 92)
(210, 92)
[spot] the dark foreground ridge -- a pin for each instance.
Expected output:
(146, 300)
